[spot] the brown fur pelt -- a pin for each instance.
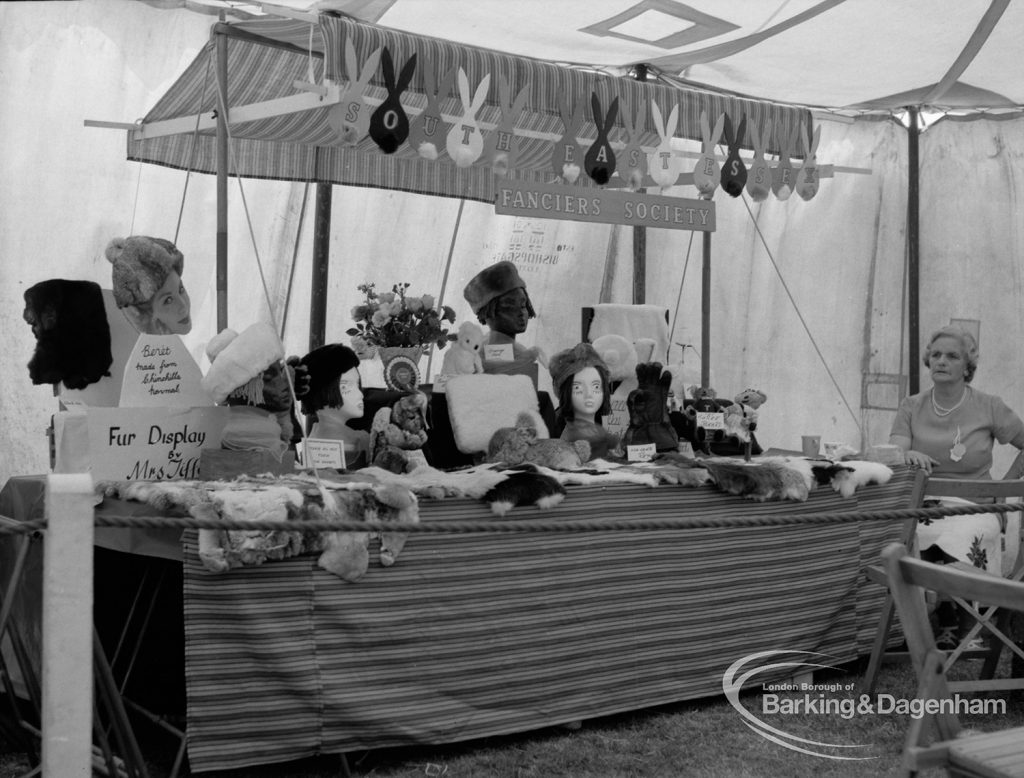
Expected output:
(72, 334)
(519, 444)
(767, 479)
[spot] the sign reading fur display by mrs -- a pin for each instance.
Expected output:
(160, 372)
(152, 444)
(554, 201)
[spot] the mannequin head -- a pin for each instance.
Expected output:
(580, 379)
(146, 280)
(334, 382)
(499, 299)
(350, 399)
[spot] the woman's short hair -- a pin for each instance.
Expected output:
(967, 343)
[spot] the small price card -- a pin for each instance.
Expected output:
(416, 458)
(711, 421)
(499, 352)
(642, 453)
(324, 453)
(685, 448)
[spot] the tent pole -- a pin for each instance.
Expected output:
(639, 263)
(222, 185)
(321, 257)
(705, 315)
(913, 251)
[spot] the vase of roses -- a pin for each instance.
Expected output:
(401, 328)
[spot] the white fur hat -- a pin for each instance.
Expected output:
(238, 358)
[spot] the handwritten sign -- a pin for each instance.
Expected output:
(152, 444)
(711, 421)
(159, 373)
(641, 453)
(320, 452)
(498, 352)
(555, 201)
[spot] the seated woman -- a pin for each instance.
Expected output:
(580, 380)
(949, 430)
(147, 284)
(335, 396)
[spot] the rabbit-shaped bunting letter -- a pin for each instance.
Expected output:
(566, 154)
(707, 174)
(784, 176)
(662, 165)
(599, 161)
(759, 177)
(632, 163)
(465, 142)
(389, 126)
(501, 147)
(424, 130)
(734, 172)
(350, 118)
(807, 175)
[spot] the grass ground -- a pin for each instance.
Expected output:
(705, 738)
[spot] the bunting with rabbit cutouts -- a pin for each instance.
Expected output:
(412, 109)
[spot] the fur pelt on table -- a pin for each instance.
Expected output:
(345, 554)
(791, 478)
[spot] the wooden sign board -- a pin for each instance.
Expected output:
(152, 444)
(160, 373)
(555, 201)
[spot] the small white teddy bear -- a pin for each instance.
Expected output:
(464, 355)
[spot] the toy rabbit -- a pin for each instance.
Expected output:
(707, 174)
(350, 118)
(734, 172)
(662, 165)
(464, 355)
(599, 161)
(502, 146)
(759, 177)
(785, 175)
(807, 175)
(566, 152)
(465, 143)
(423, 130)
(389, 126)
(632, 159)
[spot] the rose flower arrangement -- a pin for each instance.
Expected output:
(394, 318)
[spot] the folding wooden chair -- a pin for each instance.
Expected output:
(961, 752)
(995, 623)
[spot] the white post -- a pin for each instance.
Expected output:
(68, 626)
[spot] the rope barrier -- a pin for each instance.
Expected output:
(498, 525)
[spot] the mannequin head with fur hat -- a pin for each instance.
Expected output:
(499, 299)
(333, 381)
(147, 284)
(580, 379)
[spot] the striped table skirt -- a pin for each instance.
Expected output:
(473, 635)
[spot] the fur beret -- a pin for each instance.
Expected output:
(491, 282)
(141, 266)
(327, 364)
(565, 364)
(618, 354)
(238, 358)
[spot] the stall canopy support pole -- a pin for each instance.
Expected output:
(705, 315)
(222, 185)
(639, 264)
(321, 258)
(913, 251)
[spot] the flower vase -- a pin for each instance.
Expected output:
(401, 367)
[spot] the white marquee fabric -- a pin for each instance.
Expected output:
(828, 352)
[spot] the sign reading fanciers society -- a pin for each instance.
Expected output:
(555, 201)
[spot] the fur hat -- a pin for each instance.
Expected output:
(141, 266)
(565, 364)
(325, 365)
(69, 321)
(492, 282)
(618, 354)
(238, 359)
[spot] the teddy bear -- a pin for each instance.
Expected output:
(464, 355)
(518, 444)
(398, 430)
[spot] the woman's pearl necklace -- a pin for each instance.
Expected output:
(940, 411)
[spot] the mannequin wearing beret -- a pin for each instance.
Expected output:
(146, 279)
(499, 299)
(335, 396)
(580, 378)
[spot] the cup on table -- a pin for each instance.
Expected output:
(810, 445)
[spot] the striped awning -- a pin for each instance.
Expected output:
(267, 58)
